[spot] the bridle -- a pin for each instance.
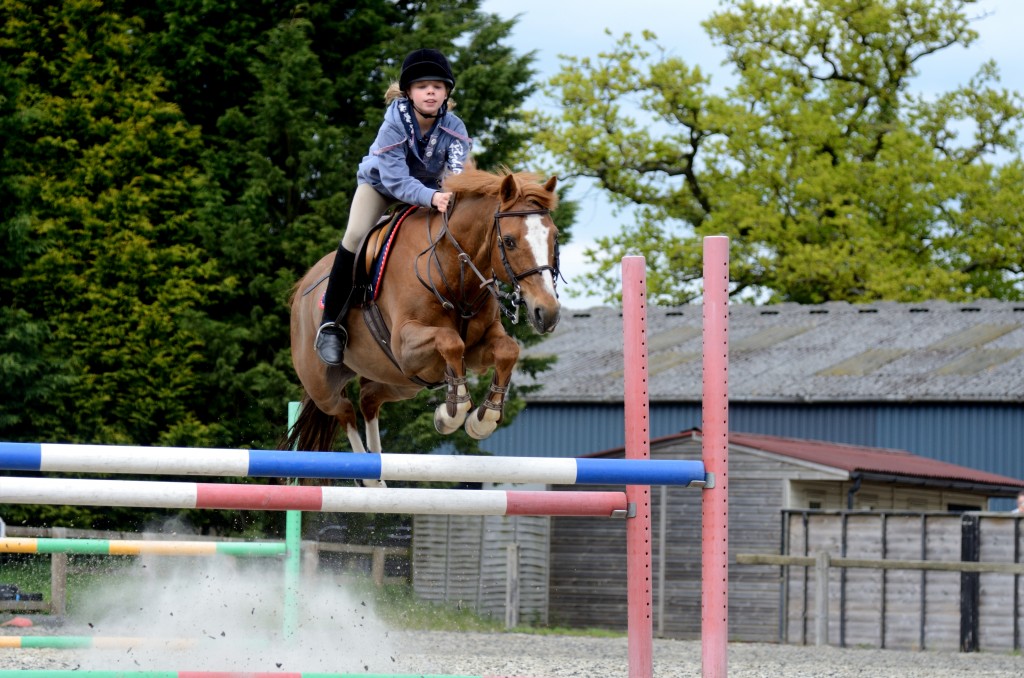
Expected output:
(508, 302)
(515, 297)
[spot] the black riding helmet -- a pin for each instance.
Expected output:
(425, 64)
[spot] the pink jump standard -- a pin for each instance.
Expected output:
(638, 446)
(715, 452)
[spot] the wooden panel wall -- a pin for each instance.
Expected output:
(462, 560)
(588, 559)
(904, 609)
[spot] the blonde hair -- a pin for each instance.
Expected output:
(394, 92)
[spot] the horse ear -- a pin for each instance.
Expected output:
(509, 189)
(550, 185)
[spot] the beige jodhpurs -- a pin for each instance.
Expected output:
(367, 206)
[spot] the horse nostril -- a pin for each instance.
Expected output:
(545, 321)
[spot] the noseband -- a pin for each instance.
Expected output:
(490, 285)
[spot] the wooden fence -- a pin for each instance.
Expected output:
(900, 579)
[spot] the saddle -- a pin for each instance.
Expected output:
(374, 250)
(373, 253)
(368, 275)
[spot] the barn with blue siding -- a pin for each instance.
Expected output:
(938, 379)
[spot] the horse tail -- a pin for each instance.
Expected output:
(314, 431)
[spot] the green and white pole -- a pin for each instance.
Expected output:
(293, 544)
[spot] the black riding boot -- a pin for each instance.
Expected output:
(332, 337)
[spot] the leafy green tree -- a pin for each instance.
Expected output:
(833, 179)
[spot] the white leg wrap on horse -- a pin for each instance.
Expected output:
(356, 443)
(446, 424)
(482, 423)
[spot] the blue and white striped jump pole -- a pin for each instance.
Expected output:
(58, 457)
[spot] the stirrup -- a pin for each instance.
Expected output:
(331, 340)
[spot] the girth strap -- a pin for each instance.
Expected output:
(380, 332)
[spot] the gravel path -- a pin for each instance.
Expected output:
(567, 656)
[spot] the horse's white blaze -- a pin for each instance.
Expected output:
(537, 239)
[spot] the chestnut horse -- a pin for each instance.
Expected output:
(440, 306)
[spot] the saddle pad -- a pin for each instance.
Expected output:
(377, 274)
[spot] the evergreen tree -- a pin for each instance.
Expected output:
(290, 130)
(108, 194)
(29, 379)
(106, 283)
(169, 169)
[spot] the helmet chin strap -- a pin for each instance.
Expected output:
(428, 116)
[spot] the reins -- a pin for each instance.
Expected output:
(488, 285)
(465, 309)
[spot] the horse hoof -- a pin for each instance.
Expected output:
(443, 424)
(478, 428)
(446, 425)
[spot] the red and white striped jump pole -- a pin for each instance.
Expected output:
(715, 452)
(638, 446)
(182, 495)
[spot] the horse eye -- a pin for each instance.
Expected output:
(509, 242)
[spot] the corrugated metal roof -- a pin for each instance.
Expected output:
(836, 352)
(854, 459)
(857, 459)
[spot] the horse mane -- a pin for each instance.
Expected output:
(479, 182)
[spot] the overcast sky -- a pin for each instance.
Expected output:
(577, 28)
